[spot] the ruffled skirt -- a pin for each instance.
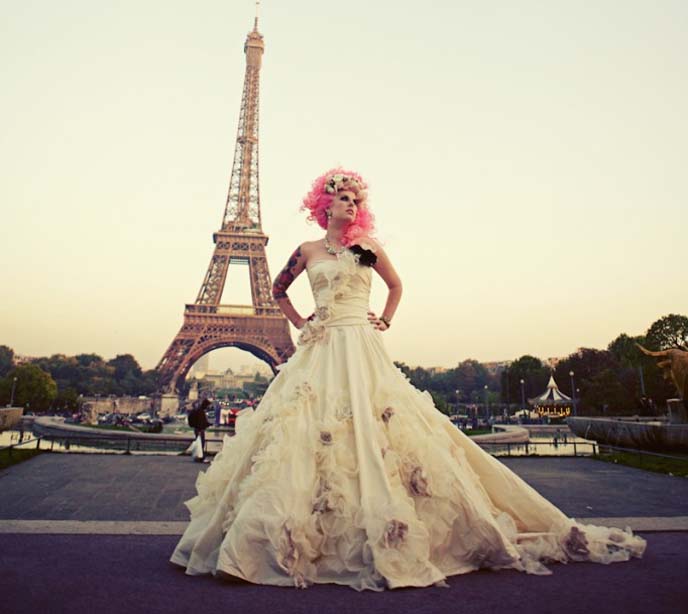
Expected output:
(347, 474)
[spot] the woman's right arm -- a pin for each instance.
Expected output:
(294, 267)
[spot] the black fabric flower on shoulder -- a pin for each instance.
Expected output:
(366, 257)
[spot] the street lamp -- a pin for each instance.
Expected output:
(457, 391)
(573, 393)
(487, 407)
(14, 383)
(508, 399)
(523, 393)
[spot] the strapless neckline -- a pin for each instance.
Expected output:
(313, 262)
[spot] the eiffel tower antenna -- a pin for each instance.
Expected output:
(259, 328)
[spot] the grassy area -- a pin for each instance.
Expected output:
(18, 455)
(478, 432)
(657, 464)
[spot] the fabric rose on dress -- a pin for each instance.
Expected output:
(418, 483)
(326, 438)
(576, 543)
(366, 256)
(395, 533)
(321, 503)
(347, 268)
(312, 332)
(344, 412)
(322, 313)
(305, 391)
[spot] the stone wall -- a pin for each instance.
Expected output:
(121, 405)
(10, 417)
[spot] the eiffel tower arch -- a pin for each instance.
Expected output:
(259, 328)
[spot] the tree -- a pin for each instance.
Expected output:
(149, 381)
(127, 375)
(441, 403)
(89, 374)
(35, 388)
(6, 360)
(125, 365)
(529, 369)
(668, 332)
(624, 349)
(67, 399)
(86, 360)
(632, 365)
(606, 394)
(470, 377)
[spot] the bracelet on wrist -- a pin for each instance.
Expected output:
(387, 321)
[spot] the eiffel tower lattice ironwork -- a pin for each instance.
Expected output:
(260, 328)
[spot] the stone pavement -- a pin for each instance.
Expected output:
(115, 520)
(154, 488)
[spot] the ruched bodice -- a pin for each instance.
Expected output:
(341, 290)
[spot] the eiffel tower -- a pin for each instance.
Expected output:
(259, 328)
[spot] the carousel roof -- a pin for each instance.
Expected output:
(551, 396)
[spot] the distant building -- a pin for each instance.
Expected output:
(20, 359)
(496, 367)
(251, 370)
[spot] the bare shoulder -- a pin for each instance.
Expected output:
(298, 251)
(309, 248)
(370, 243)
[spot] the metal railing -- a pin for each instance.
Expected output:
(12, 446)
(127, 445)
(527, 446)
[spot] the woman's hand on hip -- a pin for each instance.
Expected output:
(376, 322)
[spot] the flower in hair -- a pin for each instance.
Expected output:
(340, 182)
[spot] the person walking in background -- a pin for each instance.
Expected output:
(198, 420)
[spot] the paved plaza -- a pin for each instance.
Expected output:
(85, 533)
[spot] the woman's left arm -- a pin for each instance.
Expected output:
(385, 269)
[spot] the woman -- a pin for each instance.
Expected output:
(345, 473)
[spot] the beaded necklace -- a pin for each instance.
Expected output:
(331, 249)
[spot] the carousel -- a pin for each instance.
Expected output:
(552, 403)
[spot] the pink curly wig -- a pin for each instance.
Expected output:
(318, 200)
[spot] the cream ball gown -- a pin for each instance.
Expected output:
(345, 473)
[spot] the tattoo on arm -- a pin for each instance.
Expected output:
(286, 276)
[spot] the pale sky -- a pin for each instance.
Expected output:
(526, 163)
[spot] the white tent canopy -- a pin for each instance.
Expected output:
(551, 396)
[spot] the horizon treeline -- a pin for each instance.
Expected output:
(608, 381)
